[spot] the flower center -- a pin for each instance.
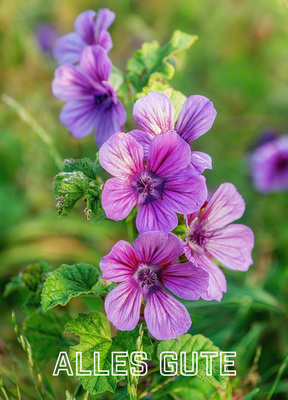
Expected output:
(100, 99)
(148, 186)
(197, 236)
(148, 278)
(282, 164)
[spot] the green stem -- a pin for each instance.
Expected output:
(280, 372)
(34, 125)
(155, 388)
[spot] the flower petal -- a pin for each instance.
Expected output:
(96, 64)
(79, 117)
(122, 306)
(217, 280)
(143, 138)
(121, 156)
(84, 25)
(156, 216)
(105, 18)
(105, 41)
(200, 161)
(225, 206)
(111, 120)
(158, 248)
(232, 246)
(68, 48)
(154, 113)
(185, 280)
(196, 117)
(117, 199)
(165, 316)
(184, 193)
(119, 264)
(168, 154)
(70, 84)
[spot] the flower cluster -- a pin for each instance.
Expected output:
(92, 101)
(154, 171)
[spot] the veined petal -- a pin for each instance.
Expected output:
(154, 113)
(165, 316)
(156, 216)
(185, 280)
(196, 117)
(168, 154)
(232, 246)
(96, 64)
(79, 117)
(119, 264)
(84, 25)
(105, 41)
(122, 306)
(118, 199)
(121, 156)
(70, 84)
(143, 138)
(225, 206)
(105, 18)
(200, 161)
(184, 193)
(68, 48)
(110, 120)
(217, 280)
(158, 248)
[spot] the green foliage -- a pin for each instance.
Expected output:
(95, 335)
(196, 343)
(30, 284)
(151, 68)
(70, 281)
(79, 179)
(44, 333)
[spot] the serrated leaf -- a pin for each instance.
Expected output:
(151, 62)
(89, 167)
(44, 333)
(70, 281)
(94, 332)
(197, 343)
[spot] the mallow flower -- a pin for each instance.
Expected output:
(144, 272)
(212, 236)
(154, 113)
(92, 101)
(90, 28)
(46, 36)
(269, 165)
(160, 186)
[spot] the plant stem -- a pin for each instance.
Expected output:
(155, 388)
(34, 125)
(280, 372)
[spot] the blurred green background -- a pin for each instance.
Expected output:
(241, 63)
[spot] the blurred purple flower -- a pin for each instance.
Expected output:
(92, 101)
(154, 113)
(144, 271)
(269, 165)
(161, 186)
(211, 235)
(46, 36)
(88, 31)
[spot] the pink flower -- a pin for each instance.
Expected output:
(211, 236)
(144, 271)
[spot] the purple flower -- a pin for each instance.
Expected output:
(88, 31)
(46, 36)
(269, 165)
(92, 101)
(211, 235)
(154, 114)
(161, 186)
(144, 272)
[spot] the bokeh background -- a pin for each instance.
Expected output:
(241, 63)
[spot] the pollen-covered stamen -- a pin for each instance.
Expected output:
(148, 186)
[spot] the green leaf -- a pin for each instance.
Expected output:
(197, 343)
(70, 281)
(79, 179)
(151, 64)
(44, 333)
(95, 335)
